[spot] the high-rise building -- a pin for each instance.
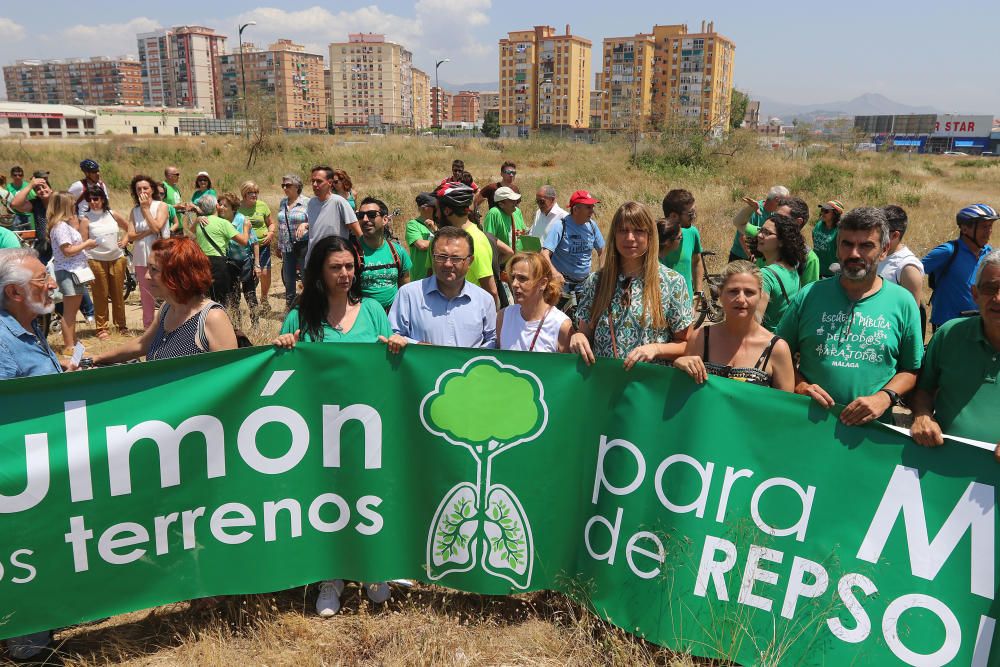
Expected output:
(625, 81)
(465, 107)
(489, 100)
(95, 81)
(328, 96)
(692, 77)
(596, 97)
(544, 81)
(421, 99)
(284, 77)
(440, 106)
(371, 83)
(179, 67)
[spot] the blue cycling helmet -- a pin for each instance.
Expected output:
(974, 213)
(89, 165)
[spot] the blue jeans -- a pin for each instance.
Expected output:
(290, 267)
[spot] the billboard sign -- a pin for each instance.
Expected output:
(949, 125)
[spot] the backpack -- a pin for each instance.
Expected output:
(563, 234)
(359, 253)
(935, 276)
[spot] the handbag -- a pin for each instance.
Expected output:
(234, 267)
(299, 246)
(82, 276)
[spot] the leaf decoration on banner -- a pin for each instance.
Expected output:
(509, 550)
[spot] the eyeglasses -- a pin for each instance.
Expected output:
(989, 289)
(100, 199)
(509, 172)
(288, 185)
(448, 259)
(41, 280)
(368, 215)
(763, 233)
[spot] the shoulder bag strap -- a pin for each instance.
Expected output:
(780, 284)
(211, 242)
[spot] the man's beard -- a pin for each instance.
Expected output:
(39, 307)
(857, 272)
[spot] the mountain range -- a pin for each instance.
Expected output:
(868, 104)
(478, 87)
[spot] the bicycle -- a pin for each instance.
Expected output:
(706, 301)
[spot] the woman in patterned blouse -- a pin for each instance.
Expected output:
(634, 308)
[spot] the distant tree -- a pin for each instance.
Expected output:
(738, 107)
(491, 124)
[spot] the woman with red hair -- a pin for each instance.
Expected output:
(188, 322)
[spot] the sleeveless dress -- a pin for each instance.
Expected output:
(517, 334)
(182, 341)
(755, 375)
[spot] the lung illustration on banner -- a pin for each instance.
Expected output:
(486, 407)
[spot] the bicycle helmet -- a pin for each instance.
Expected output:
(89, 165)
(456, 196)
(974, 213)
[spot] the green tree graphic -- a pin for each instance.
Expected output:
(486, 407)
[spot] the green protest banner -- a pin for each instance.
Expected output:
(726, 520)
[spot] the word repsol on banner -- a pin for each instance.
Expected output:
(644, 551)
(229, 523)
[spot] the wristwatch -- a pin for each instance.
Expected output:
(894, 398)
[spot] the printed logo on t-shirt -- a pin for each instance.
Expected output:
(850, 342)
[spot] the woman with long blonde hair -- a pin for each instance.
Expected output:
(69, 261)
(634, 308)
(533, 323)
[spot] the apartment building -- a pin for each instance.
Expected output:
(489, 100)
(465, 107)
(421, 99)
(283, 76)
(625, 82)
(544, 81)
(440, 106)
(371, 83)
(179, 67)
(98, 81)
(692, 77)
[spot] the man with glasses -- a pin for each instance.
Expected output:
(445, 308)
(25, 293)
(548, 211)
(958, 390)
(678, 208)
(328, 213)
(570, 242)
(508, 170)
(91, 178)
(384, 265)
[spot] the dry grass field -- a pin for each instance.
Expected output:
(430, 625)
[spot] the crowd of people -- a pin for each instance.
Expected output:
(838, 318)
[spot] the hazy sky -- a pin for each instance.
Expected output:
(943, 54)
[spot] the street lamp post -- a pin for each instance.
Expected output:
(243, 72)
(437, 84)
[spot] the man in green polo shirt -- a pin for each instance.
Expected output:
(754, 214)
(858, 336)
(959, 388)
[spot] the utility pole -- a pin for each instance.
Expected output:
(243, 75)
(437, 84)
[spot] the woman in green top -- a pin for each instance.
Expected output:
(780, 242)
(260, 217)
(213, 234)
(202, 186)
(825, 236)
(330, 308)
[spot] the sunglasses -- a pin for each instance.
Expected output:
(288, 185)
(100, 199)
(510, 172)
(369, 215)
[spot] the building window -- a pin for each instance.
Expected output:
(14, 123)
(135, 130)
(35, 123)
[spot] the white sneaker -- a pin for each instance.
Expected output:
(328, 601)
(26, 647)
(90, 319)
(378, 592)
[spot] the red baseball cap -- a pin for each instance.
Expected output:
(583, 197)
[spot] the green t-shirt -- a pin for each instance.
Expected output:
(380, 277)
(219, 230)
(681, 259)
(962, 366)
(852, 349)
(810, 272)
(482, 260)
(825, 247)
(257, 215)
(371, 323)
(196, 195)
(173, 197)
(28, 218)
(757, 218)
(417, 231)
(9, 239)
(776, 276)
(499, 224)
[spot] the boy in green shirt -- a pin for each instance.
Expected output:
(418, 235)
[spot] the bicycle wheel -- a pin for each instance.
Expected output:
(129, 285)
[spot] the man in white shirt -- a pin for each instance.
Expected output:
(548, 211)
(328, 213)
(901, 266)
